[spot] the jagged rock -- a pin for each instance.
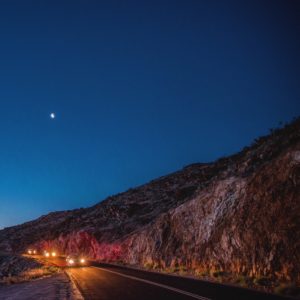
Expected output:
(240, 214)
(12, 265)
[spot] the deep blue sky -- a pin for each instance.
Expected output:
(140, 89)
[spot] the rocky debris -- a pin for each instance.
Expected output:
(50, 288)
(13, 265)
(16, 269)
(239, 214)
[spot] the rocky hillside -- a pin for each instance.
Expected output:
(240, 214)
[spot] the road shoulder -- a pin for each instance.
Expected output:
(54, 287)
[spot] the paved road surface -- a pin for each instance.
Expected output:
(107, 282)
(99, 284)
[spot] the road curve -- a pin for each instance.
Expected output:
(99, 284)
(107, 282)
(110, 282)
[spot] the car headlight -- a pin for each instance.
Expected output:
(47, 254)
(71, 261)
(82, 260)
(53, 253)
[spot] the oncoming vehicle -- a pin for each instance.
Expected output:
(50, 254)
(76, 261)
(31, 251)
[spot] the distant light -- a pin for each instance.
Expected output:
(53, 254)
(82, 260)
(52, 115)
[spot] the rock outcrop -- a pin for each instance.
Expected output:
(240, 214)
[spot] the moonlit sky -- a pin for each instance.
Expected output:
(139, 89)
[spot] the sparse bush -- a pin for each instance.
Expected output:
(288, 289)
(182, 270)
(171, 270)
(120, 262)
(30, 274)
(148, 265)
(242, 281)
(201, 273)
(217, 274)
(262, 281)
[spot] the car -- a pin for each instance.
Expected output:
(31, 251)
(50, 254)
(76, 261)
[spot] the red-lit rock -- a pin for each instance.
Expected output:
(240, 214)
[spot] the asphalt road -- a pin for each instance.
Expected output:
(107, 282)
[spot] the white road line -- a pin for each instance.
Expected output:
(75, 289)
(195, 296)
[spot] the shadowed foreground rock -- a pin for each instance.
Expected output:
(14, 265)
(240, 214)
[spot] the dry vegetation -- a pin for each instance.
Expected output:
(15, 269)
(235, 220)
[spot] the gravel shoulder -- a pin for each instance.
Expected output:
(56, 287)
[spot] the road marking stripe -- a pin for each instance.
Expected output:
(75, 288)
(157, 284)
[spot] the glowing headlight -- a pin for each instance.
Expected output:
(29, 251)
(34, 251)
(47, 254)
(82, 260)
(53, 253)
(71, 261)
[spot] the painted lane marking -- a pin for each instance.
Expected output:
(195, 296)
(75, 287)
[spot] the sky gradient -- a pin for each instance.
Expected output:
(140, 89)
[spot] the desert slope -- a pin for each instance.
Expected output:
(239, 214)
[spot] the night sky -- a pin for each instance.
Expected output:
(139, 88)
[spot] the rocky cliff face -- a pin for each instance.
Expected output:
(240, 214)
